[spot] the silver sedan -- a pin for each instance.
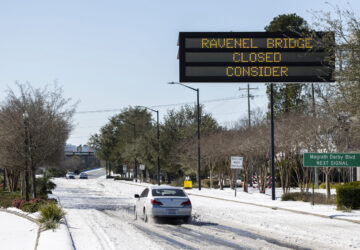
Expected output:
(162, 201)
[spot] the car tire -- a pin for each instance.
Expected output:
(187, 219)
(146, 218)
(135, 213)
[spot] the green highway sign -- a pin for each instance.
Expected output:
(331, 160)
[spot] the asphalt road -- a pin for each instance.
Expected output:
(100, 216)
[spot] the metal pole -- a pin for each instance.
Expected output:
(26, 160)
(236, 175)
(158, 137)
(135, 169)
(272, 142)
(313, 189)
(198, 125)
(316, 177)
(248, 89)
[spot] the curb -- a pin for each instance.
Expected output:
(66, 224)
(28, 218)
(266, 206)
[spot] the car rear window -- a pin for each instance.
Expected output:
(168, 192)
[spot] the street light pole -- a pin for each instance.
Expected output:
(135, 169)
(198, 130)
(26, 117)
(158, 138)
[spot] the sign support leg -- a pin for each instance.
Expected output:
(236, 175)
(272, 143)
(313, 188)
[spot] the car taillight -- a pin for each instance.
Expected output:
(186, 203)
(155, 202)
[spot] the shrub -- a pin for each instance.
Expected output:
(119, 178)
(45, 185)
(33, 205)
(51, 215)
(307, 197)
(179, 182)
(56, 172)
(206, 183)
(18, 203)
(332, 185)
(348, 196)
(6, 198)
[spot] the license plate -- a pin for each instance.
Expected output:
(172, 211)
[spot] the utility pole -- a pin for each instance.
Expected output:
(249, 112)
(248, 97)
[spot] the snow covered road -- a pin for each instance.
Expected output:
(100, 216)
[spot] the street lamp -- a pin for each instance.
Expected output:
(198, 127)
(26, 149)
(135, 169)
(158, 138)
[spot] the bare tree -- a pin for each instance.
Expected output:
(34, 128)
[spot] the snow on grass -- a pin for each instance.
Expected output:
(17, 232)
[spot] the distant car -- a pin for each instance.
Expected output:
(83, 175)
(163, 201)
(70, 175)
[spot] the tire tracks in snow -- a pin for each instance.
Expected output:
(99, 233)
(200, 235)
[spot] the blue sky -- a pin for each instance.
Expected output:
(112, 54)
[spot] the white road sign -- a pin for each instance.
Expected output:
(237, 162)
(142, 167)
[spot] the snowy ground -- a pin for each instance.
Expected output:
(16, 232)
(100, 216)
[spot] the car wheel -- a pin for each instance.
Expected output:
(187, 219)
(146, 218)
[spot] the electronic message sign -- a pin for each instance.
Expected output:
(254, 57)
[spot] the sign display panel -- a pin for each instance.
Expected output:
(331, 160)
(236, 162)
(254, 57)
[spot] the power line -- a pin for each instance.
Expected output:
(168, 105)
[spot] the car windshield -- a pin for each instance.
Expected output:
(168, 192)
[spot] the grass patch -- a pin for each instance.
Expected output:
(307, 197)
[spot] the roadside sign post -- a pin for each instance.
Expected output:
(142, 168)
(236, 163)
(324, 160)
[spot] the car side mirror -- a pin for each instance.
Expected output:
(136, 196)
